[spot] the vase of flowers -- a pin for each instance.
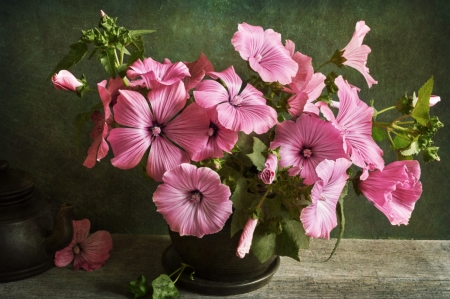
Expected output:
(261, 162)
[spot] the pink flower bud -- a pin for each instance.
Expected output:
(65, 80)
(246, 238)
(102, 13)
(268, 173)
(434, 100)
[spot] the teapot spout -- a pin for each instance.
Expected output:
(62, 233)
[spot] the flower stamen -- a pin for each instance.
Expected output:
(196, 197)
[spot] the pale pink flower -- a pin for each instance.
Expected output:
(245, 242)
(197, 69)
(237, 110)
(306, 86)
(434, 100)
(193, 201)
(152, 74)
(102, 126)
(319, 218)
(355, 53)
(395, 190)
(66, 81)
(354, 121)
(305, 143)
(89, 253)
(267, 175)
(220, 138)
(158, 129)
(265, 53)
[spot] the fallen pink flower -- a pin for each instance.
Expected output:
(245, 242)
(89, 253)
(66, 81)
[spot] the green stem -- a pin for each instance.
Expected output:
(324, 64)
(384, 110)
(125, 82)
(263, 198)
(117, 57)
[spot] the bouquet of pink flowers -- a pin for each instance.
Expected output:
(274, 150)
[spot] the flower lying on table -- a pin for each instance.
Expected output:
(87, 252)
(276, 150)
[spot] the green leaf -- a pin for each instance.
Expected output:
(378, 134)
(340, 215)
(263, 245)
(134, 33)
(164, 288)
(256, 156)
(137, 50)
(401, 143)
(77, 52)
(412, 150)
(421, 111)
(430, 154)
(108, 59)
(139, 287)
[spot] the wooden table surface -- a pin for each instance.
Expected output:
(359, 269)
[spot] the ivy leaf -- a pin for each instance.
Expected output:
(107, 58)
(164, 288)
(139, 287)
(340, 215)
(77, 52)
(421, 111)
(256, 156)
(378, 134)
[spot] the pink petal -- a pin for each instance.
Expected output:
(245, 242)
(164, 155)
(80, 230)
(132, 110)
(197, 69)
(267, 175)
(129, 146)
(167, 101)
(65, 256)
(184, 211)
(231, 79)
(66, 81)
(94, 251)
(209, 93)
(99, 148)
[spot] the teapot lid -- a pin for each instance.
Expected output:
(15, 184)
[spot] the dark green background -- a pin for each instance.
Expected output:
(409, 41)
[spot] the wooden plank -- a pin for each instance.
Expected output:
(359, 269)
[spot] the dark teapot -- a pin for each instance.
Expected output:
(29, 234)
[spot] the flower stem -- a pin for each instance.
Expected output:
(384, 110)
(263, 198)
(324, 64)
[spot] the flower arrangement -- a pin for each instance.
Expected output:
(275, 150)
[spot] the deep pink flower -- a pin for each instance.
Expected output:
(244, 110)
(306, 86)
(355, 53)
(102, 126)
(319, 218)
(220, 138)
(395, 190)
(152, 74)
(66, 81)
(305, 143)
(193, 201)
(158, 129)
(197, 69)
(245, 242)
(354, 121)
(267, 175)
(89, 253)
(265, 53)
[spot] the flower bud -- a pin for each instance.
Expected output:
(66, 81)
(245, 241)
(268, 173)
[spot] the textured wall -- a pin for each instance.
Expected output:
(409, 41)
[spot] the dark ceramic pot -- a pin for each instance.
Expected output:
(218, 271)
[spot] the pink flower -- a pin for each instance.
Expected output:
(237, 110)
(306, 86)
(305, 143)
(220, 138)
(197, 69)
(354, 121)
(158, 128)
(319, 218)
(268, 173)
(265, 53)
(395, 190)
(355, 53)
(66, 81)
(89, 253)
(102, 126)
(153, 74)
(245, 242)
(193, 201)
(434, 100)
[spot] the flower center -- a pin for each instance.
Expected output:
(258, 57)
(76, 249)
(212, 129)
(237, 100)
(322, 197)
(307, 152)
(196, 196)
(156, 131)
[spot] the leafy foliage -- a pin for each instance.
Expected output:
(139, 288)
(164, 288)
